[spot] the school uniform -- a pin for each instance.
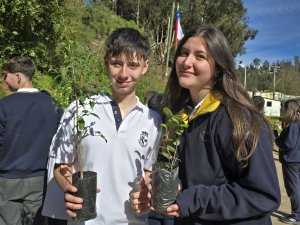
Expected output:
(119, 162)
(289, 156)
(215, 191)
(28, 121)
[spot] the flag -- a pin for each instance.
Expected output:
(178, 31)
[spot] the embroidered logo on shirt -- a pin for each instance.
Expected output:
(144, 139)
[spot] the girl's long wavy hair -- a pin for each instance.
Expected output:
(226, 87)
(291, 112)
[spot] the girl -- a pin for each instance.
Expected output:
(226, 166)
(289, 156)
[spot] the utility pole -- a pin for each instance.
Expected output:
(245, 74)
(275, 69)
(245, 77)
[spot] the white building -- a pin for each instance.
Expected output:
(272, 107)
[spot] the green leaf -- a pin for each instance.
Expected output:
(164, 125)
(165, 154)
(92, 104)
(82, 99)
(171, 148)
(167, 112)
(95, 115)
(179, 131)
(81, 123)
(176, 142)
(175, 120)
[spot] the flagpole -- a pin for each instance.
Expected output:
(169, 39)
(176, 29)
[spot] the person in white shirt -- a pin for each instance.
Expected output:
(131, 129)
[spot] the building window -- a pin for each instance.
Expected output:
(269, 104)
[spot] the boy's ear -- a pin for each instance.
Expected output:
(19, 77)
(145, 68)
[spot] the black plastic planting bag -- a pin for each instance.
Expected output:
(165, 186)
(86, 189)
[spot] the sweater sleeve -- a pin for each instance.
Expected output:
(252, 193)
(2, 125)
(288, 138)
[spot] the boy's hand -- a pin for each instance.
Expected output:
(73, 203)
(140, 200)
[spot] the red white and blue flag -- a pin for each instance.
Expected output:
(178, 31)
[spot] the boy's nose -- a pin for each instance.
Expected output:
(124, 72)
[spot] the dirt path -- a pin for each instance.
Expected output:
(285, 207)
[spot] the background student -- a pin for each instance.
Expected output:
(289, 156)
(28, 120)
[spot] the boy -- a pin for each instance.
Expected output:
(28, 121)
(131, 130)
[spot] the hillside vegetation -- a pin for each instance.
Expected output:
(65, 38)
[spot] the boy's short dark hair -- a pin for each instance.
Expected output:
(19, 64)
(127, 41)
(259, 102)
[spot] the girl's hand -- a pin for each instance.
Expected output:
(173, 210)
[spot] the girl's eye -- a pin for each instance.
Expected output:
(183, 53)
(200, 56)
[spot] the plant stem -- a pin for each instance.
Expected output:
(78, 138)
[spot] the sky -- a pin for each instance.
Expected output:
(278, 25)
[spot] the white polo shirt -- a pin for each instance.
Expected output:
(119, 163)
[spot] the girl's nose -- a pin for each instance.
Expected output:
(188, 61)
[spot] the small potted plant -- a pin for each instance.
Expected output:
(165, 180)
(84, 181)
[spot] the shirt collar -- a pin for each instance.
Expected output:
(106, 99)
(207, 105)
(27, 90)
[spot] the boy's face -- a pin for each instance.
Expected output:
(124, 73)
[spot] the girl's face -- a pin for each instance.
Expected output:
(195, 68)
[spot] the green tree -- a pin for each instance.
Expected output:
(229, 16)
(30, 27)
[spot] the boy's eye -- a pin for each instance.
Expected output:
(113, 63)
(133, 65)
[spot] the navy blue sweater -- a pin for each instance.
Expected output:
(28, 121)
(215, 191)
(289, 144)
